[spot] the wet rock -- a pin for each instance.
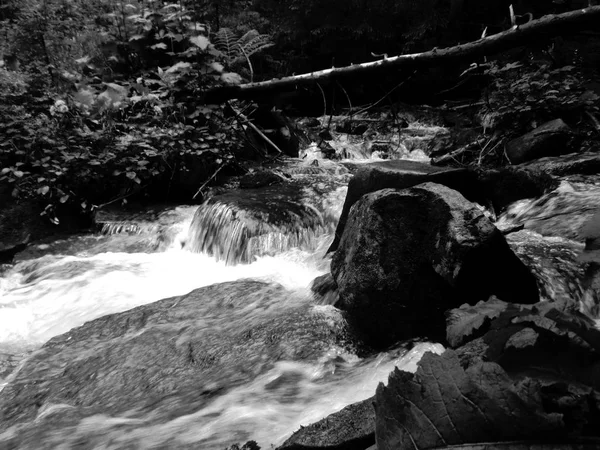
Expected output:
(325, 290)
(549, 139)
(10, 249)
(503, 186)
(497, 188)
(352, 127)
(397, 174)
(325, 134)
(575, 163)
(260, 179)
(160, 361)
(408, 255)
(21, 223)
(591, 258)
(250, 445)
(352, 428)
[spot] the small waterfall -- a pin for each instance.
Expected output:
(241, 225)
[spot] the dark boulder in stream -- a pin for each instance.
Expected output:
(408, 255)
(396, 174)
(495, 188)
(158, 362)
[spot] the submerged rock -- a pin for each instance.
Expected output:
(352, 428)
(239, 225)
(408, 255)
(325, 290)
(159, 361)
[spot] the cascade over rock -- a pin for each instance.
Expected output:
(239, 225)
(408, 255)
(497, 188)
(169, 358)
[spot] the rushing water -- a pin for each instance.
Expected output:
(60, 285)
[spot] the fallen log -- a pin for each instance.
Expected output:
(545, 27)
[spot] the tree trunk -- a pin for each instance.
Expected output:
(545, 27)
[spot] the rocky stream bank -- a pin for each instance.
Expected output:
(499, 265)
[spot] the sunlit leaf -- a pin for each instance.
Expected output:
(231, 78)
(64, 198)
(43, 190)
(131, 175)
(180, 66)
(200, 41)
(160, 45)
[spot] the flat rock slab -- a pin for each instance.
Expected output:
(574, 163)
(352, 428)
(161, 361)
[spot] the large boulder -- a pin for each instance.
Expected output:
(160, 361)
(396, 174)
(408, 255)
(495, 188)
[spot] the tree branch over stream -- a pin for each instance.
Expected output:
(545, 27)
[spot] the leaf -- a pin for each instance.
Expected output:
(463, 322)
(231, 78)
(200, 42)
(131, 175)
(442, 404)
(43, 190)
(18, 173)
(160, 45)
(64, 198)
(180, 66)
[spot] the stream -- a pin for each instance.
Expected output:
(56, 286)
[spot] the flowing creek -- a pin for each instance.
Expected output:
(60, 285)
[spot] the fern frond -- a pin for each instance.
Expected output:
(252, 42)
(225, 41)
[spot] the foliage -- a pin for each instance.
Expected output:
(118, 110)
(525, 95)
(523, 373)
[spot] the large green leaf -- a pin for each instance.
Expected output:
(444, 405)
